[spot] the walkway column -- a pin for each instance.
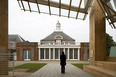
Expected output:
(73, 53)
(64, 51)
(58, 53)
(68, 53)
(4, 34)
(44, 53)
(39, 53)
(78, 53)
(97, 33)
(53, 53)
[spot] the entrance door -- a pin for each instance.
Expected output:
(27, 55)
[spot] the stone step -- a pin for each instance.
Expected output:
(6, 76)
(106, 64)
(100, 71)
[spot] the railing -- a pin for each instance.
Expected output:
(7, 58)
(76, 43)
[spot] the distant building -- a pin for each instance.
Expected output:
(53, 45)
(49, 48)
(12, 40)
(22, 50)
(27, 51)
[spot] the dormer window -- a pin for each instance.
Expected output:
(58, 42)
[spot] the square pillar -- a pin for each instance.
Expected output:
(53, 53)
(4, 34)
(39, 54)
(68, 54)
(73, 53)
(97, 33)
(78, 53)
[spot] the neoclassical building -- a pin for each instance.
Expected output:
(50, 48)
(54, 44)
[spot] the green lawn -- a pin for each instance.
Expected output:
(32, 67)
(80, 65)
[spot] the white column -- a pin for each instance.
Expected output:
(53, 53)
(73, 53)
(39, 54)
(68, 54)
(58, 53)
(64, 50)
(49, 53)
(78, 53)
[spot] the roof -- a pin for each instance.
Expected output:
(55, 33)
(77, 9)
(15, 38)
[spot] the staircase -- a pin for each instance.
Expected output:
(102, 69)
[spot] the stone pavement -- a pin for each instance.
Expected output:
(20, 74)
(53, 70)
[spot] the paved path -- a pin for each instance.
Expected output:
(53, 70)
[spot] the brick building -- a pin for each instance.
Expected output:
(27, 51)
(12, 40)
(51, 47)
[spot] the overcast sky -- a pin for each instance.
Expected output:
(34, 26)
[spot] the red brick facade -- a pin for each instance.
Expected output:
(32, 46)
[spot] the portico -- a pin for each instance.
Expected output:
(54, 52)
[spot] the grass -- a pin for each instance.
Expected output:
(79, 65)
(32, 67)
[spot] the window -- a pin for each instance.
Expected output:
(12, 44)
(51, 53)
(75, 53)
(70, 53)
(58, 37)
(58, 42)
(47, 53)
(56, 53)
(42, 53)
(27, 55)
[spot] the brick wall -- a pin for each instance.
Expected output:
(32, 46)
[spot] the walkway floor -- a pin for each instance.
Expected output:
(53, 70)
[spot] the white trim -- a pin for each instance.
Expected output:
(58, 46)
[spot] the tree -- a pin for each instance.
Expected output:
(109, 43)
